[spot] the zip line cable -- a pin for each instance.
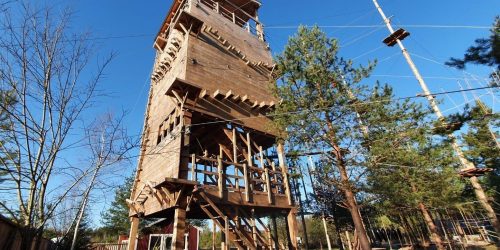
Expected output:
(320, 109)
(430, 26)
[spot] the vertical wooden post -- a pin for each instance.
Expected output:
(259, 27)
(221, 181)
(273, 167)
(248, 191)
(269, 237)
(254, 228)
(134, 227)
(214, 235)
(217, 7)
(235, 158)
(234, 17)
(282, 162)
(184, 164)
(292, 229)
(193, 168)
(179, 228)
(249, 148)
(326, 233)
(268, 187)
(225, 235)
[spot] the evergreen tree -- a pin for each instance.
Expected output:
(316, 88)
(410, 167)
(83, 240)
(116, 218)
(485, 51)
(481, 142)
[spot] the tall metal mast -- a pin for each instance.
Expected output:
(467, 166)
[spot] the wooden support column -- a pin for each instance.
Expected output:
(254, 228)
(268, 187)
(248, 190)
(293, 229)
(225, 235)
(134, 227)
(186, 120)
(179, 229)
(282, 162)
(222, 180)
(214, 235)
(249, 149)
(235, 159)
(259, 27)
(193, 167)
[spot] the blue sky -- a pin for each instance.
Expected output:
(128, 28)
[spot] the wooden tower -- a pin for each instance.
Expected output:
(208, 150)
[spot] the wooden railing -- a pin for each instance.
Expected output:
(253, 26)
(108, 246)
(241, 177)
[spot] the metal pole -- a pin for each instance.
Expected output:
(432, 101)
(466, 164)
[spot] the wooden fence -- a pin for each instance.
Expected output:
(108, 246)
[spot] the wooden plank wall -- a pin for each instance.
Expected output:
(162, 160)
(218, 69)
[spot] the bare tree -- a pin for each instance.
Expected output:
(109, 145)
(46, 67)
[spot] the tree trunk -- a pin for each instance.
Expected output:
(351, 203)
(483, 200)
(432, 227)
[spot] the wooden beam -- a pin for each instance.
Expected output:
(268, 185)
(179, 229)
(133, 236)
(193, 168)
(292, 229)
(235, 156)
(245, 99)
(247, 183)
(218, 94)
(131, 205)
(203, 94)
(221, 181)
(229, 94)
(281, 158)
(179, 195)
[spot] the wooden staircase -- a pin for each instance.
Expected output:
(243, 233)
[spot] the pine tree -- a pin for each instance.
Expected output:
(482, 144)
(316, 86)
(84, 237)
(116, 218)
(485, 51)
(410, 167)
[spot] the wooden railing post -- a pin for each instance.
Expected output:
(268, 187)
(254, 228)
(248, 191)
(282, 162)
(235, 159)
(217, 7)
(193, 168)
(221, 181)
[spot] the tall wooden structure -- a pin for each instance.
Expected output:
(207, 141)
